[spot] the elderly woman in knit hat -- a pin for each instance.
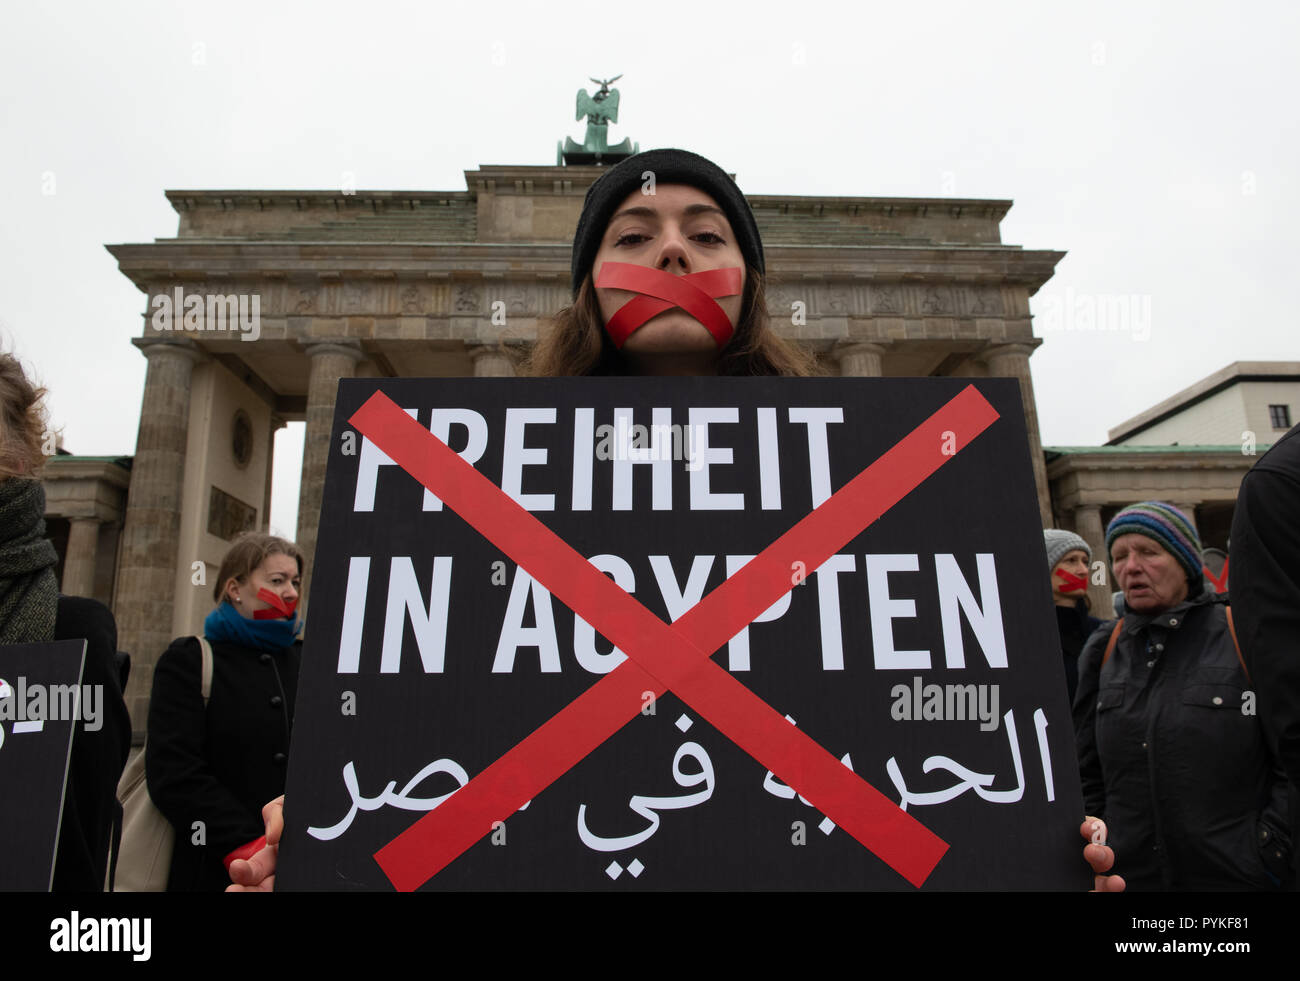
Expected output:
(1069, 559)
(651, 226)
(1170, 751)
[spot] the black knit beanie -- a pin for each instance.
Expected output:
(668, 167)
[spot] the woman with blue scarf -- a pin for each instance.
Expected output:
(212, 767)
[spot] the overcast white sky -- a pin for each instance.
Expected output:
(1154, 142)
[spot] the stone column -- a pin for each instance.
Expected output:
(859, 359)
(1087, 525)
(81, 557)
(146, 577)
(492, 360)
(1012, 361)
(276, 424)
(330, 361)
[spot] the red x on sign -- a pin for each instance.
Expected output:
(661, 657)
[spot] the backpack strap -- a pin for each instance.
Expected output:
(1114, 639)
(205, 685)
(1233, 630)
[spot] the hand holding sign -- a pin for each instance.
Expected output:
(1097, 854)
(257, 874)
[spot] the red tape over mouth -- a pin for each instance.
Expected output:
(662, 291)
(1070, 583)
(281, 609)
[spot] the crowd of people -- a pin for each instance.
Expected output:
(1187, 722)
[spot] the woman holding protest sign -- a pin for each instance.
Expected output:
(1170, 748)
(33, 611)
(667, 279)
(215, 756)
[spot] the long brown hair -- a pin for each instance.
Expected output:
(576, 342)
(23, 421)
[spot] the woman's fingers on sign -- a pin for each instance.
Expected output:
(257, 874)
(273, 815)
(1099, 856)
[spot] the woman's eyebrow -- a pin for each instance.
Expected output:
(696, 209)
(642, 211)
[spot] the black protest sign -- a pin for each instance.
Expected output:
(862, 559)
(41, 698)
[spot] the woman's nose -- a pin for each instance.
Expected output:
(673, 255)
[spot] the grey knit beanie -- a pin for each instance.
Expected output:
(1060, 542)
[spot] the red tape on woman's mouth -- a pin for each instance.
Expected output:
(1070, 583)
(662, 291)
(282, 610)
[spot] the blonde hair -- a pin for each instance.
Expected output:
(246, 554)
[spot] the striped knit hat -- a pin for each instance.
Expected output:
(1168, 527)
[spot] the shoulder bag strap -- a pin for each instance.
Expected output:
(1114, 639)
(1233, 630)
(206, 684)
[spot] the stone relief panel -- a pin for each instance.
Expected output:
(936, 301)
(305, 300)
(358, 297)
(779, 299)
(468, 299)
(982, 301)
(517, 299)
(832, 303)
(790, 303)
(886, 299)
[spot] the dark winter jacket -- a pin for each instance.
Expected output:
(1173, 758)
(1075, 625)
(1264, 582)
(90, 806)
(210, 772)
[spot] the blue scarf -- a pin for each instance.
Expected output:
(224, 624)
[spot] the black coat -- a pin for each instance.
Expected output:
(1173, 758)
(219, 766)
(1075, 625)
(90, 806)
(1264, 582)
